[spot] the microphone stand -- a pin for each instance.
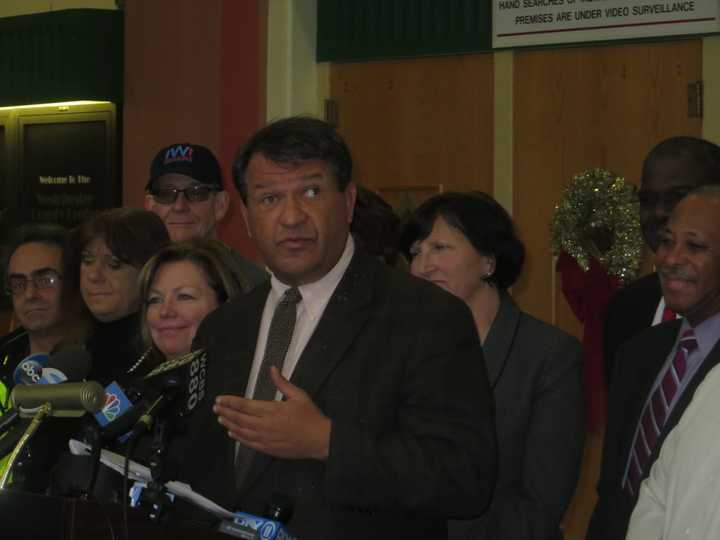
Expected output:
(92, 436)
(154, 497)
(43, 411)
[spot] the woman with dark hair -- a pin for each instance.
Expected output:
(179, 286)
(103, 258)
(466, 244)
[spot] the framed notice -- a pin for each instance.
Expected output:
(518, 23)
(67, 166)
(4, 173)
(4, 199)
(58, 164)
(64, 171)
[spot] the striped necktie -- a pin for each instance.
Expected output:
(656, 412)
(279, 337)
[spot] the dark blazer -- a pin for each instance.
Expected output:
(639, 362)
(247, 273)
(396, 363)
(630, 311)
(535, 372)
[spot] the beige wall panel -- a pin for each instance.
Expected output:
(418, 122)
(580, 108)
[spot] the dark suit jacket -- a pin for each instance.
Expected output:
(639, 362)
(396, 363)
(535, 372)
(630, 311)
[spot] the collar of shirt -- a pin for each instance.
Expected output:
(707, 333)
(316, 295)
(657, 319)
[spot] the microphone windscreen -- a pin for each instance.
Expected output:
(73, 363)
(29, 370)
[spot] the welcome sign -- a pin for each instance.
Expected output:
(518, 23)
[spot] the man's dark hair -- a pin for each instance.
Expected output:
(701, 159)
(481, 219)
(40, 233)
(291, 141)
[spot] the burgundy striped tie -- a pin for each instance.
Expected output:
(656, 413)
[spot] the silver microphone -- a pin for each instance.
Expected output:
(66, 399)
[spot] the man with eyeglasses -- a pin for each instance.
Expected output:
(186, 190)
(33, 280)
(670, 171)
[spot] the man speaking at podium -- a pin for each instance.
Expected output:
(356, 392)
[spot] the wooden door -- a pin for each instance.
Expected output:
(418, 126)
(580, 108)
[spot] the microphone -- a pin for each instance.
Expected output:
(187, 375)
(128, 412)
(112, 416)
(66, 400)
(29, 370)
(265, 528)
(69, 364)
(271, 526)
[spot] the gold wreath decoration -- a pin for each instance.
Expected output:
(599, 216)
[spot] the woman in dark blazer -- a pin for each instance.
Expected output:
(466, 244)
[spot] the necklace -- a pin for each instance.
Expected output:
(139, 361)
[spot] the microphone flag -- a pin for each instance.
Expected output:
(116, 404)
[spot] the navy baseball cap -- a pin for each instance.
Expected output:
(192, 160)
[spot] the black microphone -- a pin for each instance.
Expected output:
(71, 364)
(186, 376)
(65, 400)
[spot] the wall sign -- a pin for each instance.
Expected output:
(59, 164)
(519, 23)
(64, 177)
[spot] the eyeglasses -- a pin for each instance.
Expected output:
(44, 280)
(192, 194)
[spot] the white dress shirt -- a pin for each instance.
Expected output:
(315, 297)
(681, 496)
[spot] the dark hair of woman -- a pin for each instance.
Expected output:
(131, 234)
(482, 220)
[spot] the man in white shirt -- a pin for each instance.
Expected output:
(679, 498)
(385, 426)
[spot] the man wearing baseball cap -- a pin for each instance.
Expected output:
(185, 189)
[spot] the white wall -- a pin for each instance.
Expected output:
(295, 81)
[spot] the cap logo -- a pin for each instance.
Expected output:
(181, 152)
